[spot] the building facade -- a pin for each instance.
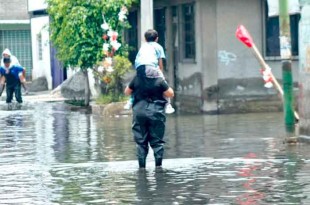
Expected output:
(15, 32)
(45, 63)
(210, 69)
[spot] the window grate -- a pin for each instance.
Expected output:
(19, 43)
(188, 39)
(272, 33)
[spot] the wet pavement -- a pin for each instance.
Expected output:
(51, 155)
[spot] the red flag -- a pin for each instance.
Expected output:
(244, 36)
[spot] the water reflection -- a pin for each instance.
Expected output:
(61, 133)
(74, 139)
(167, 187)
(250, 195)
(51, 155)
(12, 128)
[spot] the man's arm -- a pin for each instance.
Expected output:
(21, 74)
(2, 80)
(130, 87)
(161, 64)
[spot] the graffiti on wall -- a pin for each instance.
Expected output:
(226, 57)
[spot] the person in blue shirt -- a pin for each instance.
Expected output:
(149, 63)
(12, 76)
(14, 61)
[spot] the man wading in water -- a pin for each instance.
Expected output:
(149, 118)
(13, 75)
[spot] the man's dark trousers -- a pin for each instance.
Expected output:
(149, 128)
(10, 90)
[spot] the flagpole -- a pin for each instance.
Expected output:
(265, 65)
(244, 36)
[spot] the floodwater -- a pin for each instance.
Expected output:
(51, 155)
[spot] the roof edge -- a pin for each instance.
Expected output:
(14, 21)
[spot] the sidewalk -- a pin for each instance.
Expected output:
(42, 96)
(115, 109)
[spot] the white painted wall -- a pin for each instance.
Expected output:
(34, 5)
(41, 68)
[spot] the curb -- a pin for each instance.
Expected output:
(304, 138)
(115, 109)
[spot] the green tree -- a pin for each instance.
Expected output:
(78, 29)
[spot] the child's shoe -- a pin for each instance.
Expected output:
(128, 105)
(169, 109)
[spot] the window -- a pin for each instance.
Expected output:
(183, 32)
(19, 43)
(188, 32)
(39, 44)
(272, 33)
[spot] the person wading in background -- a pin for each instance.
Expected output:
(14, 61)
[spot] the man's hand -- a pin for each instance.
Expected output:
(169, 93)
(127, 91)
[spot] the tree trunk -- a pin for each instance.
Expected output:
(87, 89)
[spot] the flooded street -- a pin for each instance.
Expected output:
(51, 155)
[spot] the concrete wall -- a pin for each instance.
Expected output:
(304, 69)
(208, 29)
(239, 78)
(13, 10)
(225, 76)
(241, 88)
(234, 59)
(229, 69)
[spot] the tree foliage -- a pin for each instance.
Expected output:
(76, 29)
(79, 32)
(113, 80)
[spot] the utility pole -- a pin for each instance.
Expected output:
(146, 17)
(287, 77)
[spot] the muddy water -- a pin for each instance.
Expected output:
(50, 155)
